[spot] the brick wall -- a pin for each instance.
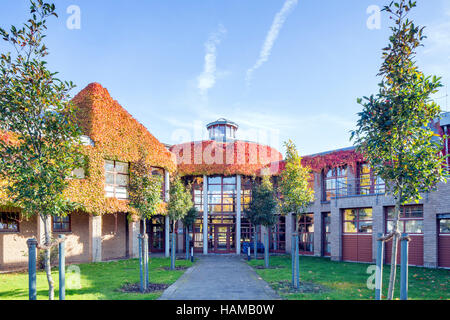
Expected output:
(13, 246)
(114, 239)
(77, 241)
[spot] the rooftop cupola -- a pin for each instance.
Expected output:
(222, 130)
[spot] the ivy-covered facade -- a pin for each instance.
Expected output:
(349, 210)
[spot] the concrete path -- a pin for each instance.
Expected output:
(220, 277)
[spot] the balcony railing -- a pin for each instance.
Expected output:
(359, 187)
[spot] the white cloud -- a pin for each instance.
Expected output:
(272, 36)
(207, 79)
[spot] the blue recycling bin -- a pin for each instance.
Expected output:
(245, 245)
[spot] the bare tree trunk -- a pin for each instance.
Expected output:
(394, 250)
(48, 267)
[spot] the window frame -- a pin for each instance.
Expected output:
(163, 181)
(115, 185)
(403, 219)
(336, 175)
(439, 227)
(222, 204)
(7, 219)
(374, 181)
(357, 221)
(309, 234)
(69, 223)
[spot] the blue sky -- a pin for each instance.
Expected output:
(279, 68)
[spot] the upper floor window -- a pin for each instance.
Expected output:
(197, 193)
(367, 182)
(9, 222)
(160, 172)
(446, 151)
(78, 173)
(221, 194)
(61, 224)
(246, 193)
(117, 178)
(335, 183)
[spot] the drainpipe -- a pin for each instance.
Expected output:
(446, 146)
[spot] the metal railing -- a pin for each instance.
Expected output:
(359, 187)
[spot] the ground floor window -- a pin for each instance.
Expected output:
(306, 233)
(277, 235)
(61, 224)
(9, 222)
(357, 220)
(411, 219)
(444, 241)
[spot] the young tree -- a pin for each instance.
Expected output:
(180, 202)
(188, 222)
(296, 194)
(393, 131)
(34, 106)
(261, 211)
(145, 197)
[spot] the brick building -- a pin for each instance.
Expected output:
(350, 209)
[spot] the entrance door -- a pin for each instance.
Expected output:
(156, 234)
(222, 238)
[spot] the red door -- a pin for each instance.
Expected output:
(357, 235)
(444, 243)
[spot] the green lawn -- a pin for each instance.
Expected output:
(99, 281)
(347, 281)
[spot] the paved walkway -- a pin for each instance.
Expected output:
(220, 277)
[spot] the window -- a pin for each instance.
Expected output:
(444, 226)
(246, 192)
(78, 173)
(117, 178)
(61, 224)
(335, 183)
(367, 182)
(9, 222)
(306, 233)
(197, 190)
(446, 151)
(357, 220)
(411, 219)
(221, 194)
(160, 172)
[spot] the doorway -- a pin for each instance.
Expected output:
(222, 238)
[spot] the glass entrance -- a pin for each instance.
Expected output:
(222, 239)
